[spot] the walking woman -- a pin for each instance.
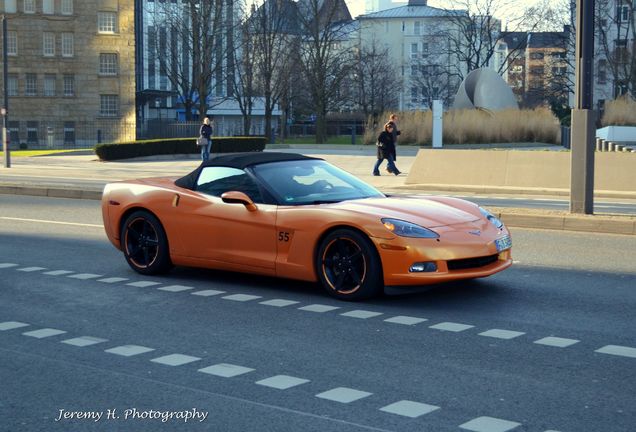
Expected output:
(386, 150)
(206, 132)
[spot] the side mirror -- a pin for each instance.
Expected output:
(236, 197)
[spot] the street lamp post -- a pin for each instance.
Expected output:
(5, 106)
(583, 118)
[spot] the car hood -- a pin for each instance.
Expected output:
(425, 212)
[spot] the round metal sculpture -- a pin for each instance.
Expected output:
(484, 89)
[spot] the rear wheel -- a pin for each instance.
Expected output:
(348, 265)
(145, 243)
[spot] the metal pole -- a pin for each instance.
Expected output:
(583, 116)
(5, 106)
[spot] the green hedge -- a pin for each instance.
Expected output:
(132, 149)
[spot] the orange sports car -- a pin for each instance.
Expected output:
(299, 217)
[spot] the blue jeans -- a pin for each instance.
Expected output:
(390, 163)
(205, 151)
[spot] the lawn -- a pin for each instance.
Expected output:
(28, 153)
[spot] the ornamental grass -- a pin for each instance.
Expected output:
(620, 112)
(476, 127)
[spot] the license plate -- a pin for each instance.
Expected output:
(503, 243)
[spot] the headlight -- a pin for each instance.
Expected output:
(407, 229)
(492, 218)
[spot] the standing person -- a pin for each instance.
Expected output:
(386, 150)
(393, 118)
(206, 132)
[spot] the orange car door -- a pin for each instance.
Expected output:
(229, 233)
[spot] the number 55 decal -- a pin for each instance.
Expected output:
(283, 236)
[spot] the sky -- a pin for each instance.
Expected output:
(357, 7)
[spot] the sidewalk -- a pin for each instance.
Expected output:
(84, 176)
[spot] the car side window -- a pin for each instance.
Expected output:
(216, 181)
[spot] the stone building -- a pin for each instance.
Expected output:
(71, 72)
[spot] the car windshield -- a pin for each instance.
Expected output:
(312, 182)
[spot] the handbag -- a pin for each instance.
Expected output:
(202, 141)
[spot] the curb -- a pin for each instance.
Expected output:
(519, 218)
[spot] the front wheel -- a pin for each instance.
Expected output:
(145, 243)
(348, 265)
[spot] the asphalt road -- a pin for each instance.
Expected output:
(548, 345)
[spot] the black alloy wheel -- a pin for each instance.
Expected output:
(145, 244)
(348, 265)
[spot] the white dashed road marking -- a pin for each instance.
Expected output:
(408, 408)
(278, 302)
(44, 333)
(501, 334)
(208, 293)
(226, 370)
(318, 308)
(282, 382)
(343, 395)
(556, 342)
(405, 320)
(362, 314)
(10, 325)
(112, 280)
(51, 222)
(7, 265)
(451, 327)
(143, 284)
(31, 269)
(489, 424)
(618, 350)
(59, 272)
(85, 276)
(175, 288)
(175, 359)
(129, 350)
(241, 297)
(84, 341)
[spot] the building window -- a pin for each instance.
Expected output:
(29, 6)
(413, 50)
(536, 56)
(69, 132)
(417, 27)
(602, 71)
(108, 64)
(10, 6)
(12, 43)
(49, 84)
(107, 22)
(48, 44)
(622, 13)
(109, 105)
(32, 132)
(47, 7)
(31, 88)
(14, 131)
(68, 45)
(12, 85)
(69, 85)
(67, 7)
(414, 95)
(537, 71)
(424, 49)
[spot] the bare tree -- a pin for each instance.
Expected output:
(376, 85)
(273, 30)
(616, 39)
(324, 58)
(243, 91)
(189, 40)
(478, 33)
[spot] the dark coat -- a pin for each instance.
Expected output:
(387, 146)
(206, 131)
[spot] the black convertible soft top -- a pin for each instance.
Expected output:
(237, 160)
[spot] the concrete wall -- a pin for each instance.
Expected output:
(519, 169)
